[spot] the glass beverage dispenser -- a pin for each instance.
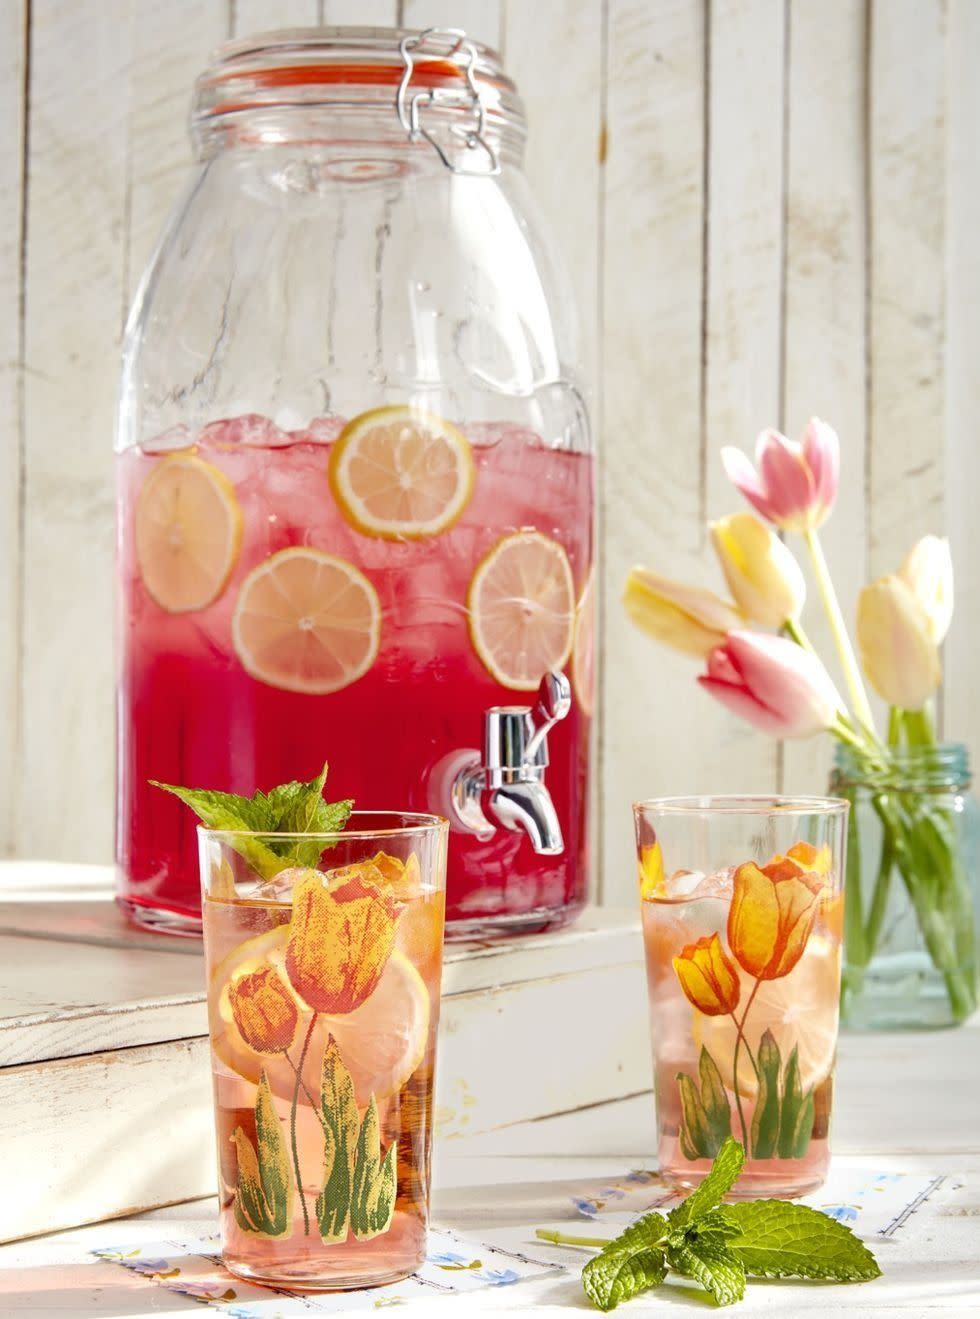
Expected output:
(356, 478)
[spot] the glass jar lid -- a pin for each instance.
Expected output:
(434, 87)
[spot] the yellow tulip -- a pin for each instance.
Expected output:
(339, 942)
(928, 572)
(651, 867)
(685, 617)
(771, 916)
(264, 1011)
(897, 651)
(761, 572)
(707, 976)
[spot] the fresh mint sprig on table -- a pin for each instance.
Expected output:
(292, 808)
(721, 1245)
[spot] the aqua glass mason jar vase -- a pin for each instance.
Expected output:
(912, 895)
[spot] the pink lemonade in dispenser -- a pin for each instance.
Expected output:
(359, 593)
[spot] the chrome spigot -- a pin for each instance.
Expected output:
(511, 770)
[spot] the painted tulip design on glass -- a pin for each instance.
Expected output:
(339, 942)
(771, 917)
(264, 1010)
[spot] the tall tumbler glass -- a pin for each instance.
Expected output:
(323, 1003)
(742, 908)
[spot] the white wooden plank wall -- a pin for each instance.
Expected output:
(825, 292)
(769, 209)
(13, 86)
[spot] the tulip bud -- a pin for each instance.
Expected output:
(928, 572)
(898, 655)
(761, 572)
(707, 976)
(774, 684)
(796, 484)
(264, 1010)
(685, 617)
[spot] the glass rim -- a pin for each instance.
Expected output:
(778, 804)
(422, 823)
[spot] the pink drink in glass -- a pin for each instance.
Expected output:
(743, 971)
(189, 713)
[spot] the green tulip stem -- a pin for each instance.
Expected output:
(896, 726)
(879, 895)
(739, 1041)
(292, 1123)
(918, 727)
(794, 630)
(838, 628)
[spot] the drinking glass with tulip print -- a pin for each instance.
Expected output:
(742, 908)
(323, 1003)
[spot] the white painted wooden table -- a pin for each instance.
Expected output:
(905, 1102)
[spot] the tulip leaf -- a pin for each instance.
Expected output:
(339, 1113)
(706, 1116)
(714, 1100)
(263, 1198)
(765, 1120)
(689, 1151)
(804, 1127)
(372, 1203)
(695, 1131)
(794, 1134)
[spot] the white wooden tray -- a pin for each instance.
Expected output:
(104, 1080)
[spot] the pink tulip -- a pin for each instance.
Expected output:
(796, 484)
(773, 683)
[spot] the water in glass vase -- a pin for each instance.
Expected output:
(744, 1021)
(323, 1007)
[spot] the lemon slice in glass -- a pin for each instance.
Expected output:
(381, 1042)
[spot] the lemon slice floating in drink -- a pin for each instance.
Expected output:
(306, 621)
(794, 1008)
(583, 650)
(522, 609)
(188, 532)
(381, 1042)
(401, 474)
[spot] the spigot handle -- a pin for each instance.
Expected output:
(554, 703)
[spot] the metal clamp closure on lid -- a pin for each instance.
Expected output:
(410, 103)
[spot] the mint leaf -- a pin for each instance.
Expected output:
(617, 1275)
(223, 810)
(291, 808)
(719, 1181)
(629, 1264)
(715, 1224)
(713, 1264)
(781, 1240)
